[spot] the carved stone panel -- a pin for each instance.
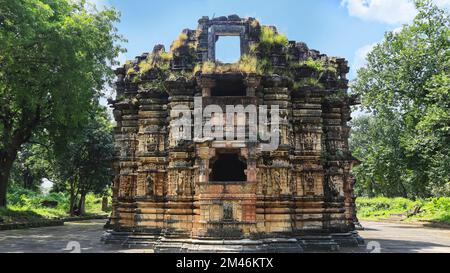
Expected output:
(181, 182)
(336, 185)
(165, 180)
(127, 186)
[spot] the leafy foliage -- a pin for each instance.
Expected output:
(55, 59)
(317, 65)
(83, 162)
(270, 39)
(160, 60)
(307, 82)
(32, 165)
(405, 144)
(26, 205)
(179, 42)
(376, 143)
(432, 209)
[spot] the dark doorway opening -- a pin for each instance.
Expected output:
(228, 168)
(229, 88)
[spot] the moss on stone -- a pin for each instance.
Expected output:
(247, 64)
(307, 82)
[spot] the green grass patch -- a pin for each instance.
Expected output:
(433, 209)
(25, 206)
(17, 214)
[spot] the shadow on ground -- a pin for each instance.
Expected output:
(379, 238)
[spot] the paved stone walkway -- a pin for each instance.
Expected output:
(401, 238)
(380, 237)
(74, 237)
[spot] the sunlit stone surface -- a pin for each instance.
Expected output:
(230, 196)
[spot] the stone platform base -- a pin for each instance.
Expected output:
(328, 243)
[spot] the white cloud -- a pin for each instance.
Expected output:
(122, 59)
(360, 59)
(386, 11)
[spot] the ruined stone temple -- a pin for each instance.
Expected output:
(212, 194)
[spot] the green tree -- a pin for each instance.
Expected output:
(31, 166)
(83, 161)
(376, 143)
(406, 86)
(55, 58)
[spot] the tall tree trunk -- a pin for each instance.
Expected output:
(6, 164)
(12, 140)
(403, 190)
(28, 179)
(82, 204)
(72, 205)
(105, 204)
(72, 199)
(3, 187)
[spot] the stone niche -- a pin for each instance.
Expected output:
(212, 194)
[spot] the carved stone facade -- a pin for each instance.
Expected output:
(166, 192)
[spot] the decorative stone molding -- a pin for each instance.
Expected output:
(163, 194)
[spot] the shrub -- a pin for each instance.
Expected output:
(179, 42)
(249, 64)
(269, 40)
(317, 65)
(25, 205)
(145, 66)
(269, 37)
(308, 82)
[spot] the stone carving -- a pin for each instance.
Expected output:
(150, 184)
(336, 185)
(152, 144)
(180, 182)
(309, 144)
(163, 185)
(310, 184)
(276, 178)
(280, 181)
(127, 186)
(228, 212)
(284, 139)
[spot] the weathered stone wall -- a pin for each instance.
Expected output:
(162, 185)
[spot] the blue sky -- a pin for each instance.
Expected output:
(343, 28)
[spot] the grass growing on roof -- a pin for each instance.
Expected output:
(247, 64)
(318, 65)
(269, 38)
(179, 42)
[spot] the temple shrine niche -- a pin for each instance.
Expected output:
(230, 195)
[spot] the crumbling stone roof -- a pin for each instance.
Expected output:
(264, 55)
